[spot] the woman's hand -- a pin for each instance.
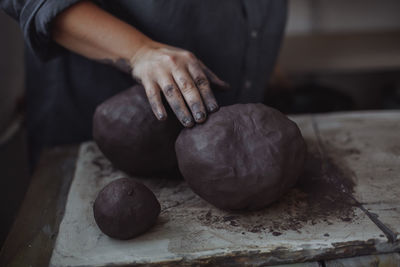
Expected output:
(181, 77)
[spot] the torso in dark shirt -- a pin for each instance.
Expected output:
(238, 40)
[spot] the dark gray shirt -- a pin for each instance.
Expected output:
(238, 39)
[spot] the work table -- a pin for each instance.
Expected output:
(345, 205)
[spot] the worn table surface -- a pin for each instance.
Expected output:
(347, 203)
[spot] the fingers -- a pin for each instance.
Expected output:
(213, 77)
(154, 97)
(175, 100)
(203, 86)
(184, 81)
(191, 94)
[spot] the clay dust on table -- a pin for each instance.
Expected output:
(322, 195)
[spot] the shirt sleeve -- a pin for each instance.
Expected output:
(35, 17)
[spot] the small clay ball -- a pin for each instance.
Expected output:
(125, 208)
(243, 158)
(131, 137)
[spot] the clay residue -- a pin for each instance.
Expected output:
(328, 189)
(322, 195)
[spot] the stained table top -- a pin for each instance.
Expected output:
(346, 204)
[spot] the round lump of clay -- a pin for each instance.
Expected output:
(131, 137)
(125, 208)
(243, 158)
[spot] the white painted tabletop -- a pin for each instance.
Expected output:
(363, 146)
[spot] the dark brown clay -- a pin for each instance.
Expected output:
(243, 158)
(125, 208)
(130, 136)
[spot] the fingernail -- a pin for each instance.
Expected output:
(161, 117)
(187, 122)
(199, 116)
(212, 108)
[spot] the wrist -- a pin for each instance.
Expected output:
(142, 49)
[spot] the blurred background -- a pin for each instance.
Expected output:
(337, 55)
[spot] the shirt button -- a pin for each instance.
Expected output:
(254, 34)
(247, 84)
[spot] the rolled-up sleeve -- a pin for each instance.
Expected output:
(35, 17)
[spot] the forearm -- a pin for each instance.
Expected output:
(92, 32)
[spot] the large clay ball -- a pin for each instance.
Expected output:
(131, 137)
(125, 208)
(243, 158)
